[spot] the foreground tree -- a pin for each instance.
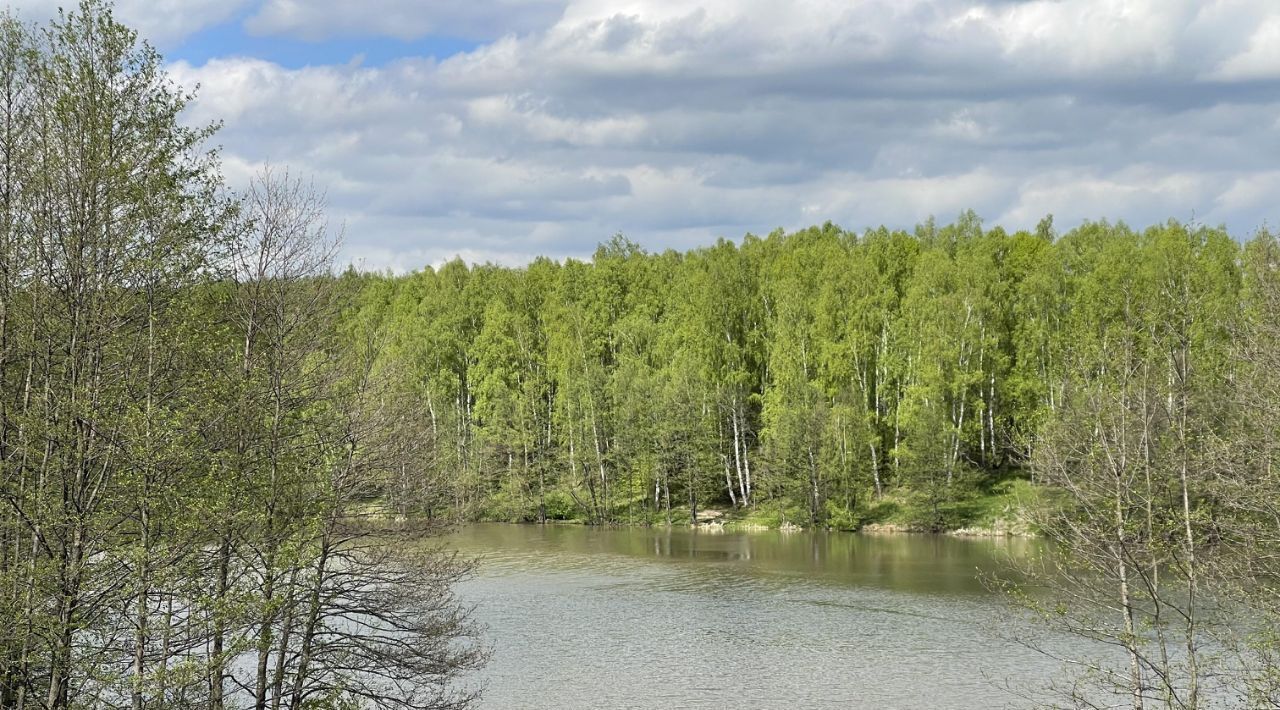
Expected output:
(1134, 508)
(314, 601)
(188, 449)
(1250, 479)
(118, 213)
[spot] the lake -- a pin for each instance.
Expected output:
(584, 617)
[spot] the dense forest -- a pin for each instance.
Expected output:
(1114, 391)
(822, 377)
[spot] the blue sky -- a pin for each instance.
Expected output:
(505, 129)
(231, 39)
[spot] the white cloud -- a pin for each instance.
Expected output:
(677, 121)
(1249, 191)
(1149, 193)
(402, 19)
(1259, 60)
(1090, 35)
(524, 115)
(165, 23)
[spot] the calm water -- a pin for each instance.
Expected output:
(652, 618)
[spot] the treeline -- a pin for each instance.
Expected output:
(188, 439)
(823, 377)
(1126, 383)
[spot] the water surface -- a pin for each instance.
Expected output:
(653, 618)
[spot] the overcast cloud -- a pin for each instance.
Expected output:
(679, 121)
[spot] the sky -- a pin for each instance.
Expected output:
(500, 130)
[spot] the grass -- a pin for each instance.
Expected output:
(990, 501)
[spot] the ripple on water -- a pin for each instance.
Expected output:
(586, 618)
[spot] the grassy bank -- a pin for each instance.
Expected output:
(990, 507)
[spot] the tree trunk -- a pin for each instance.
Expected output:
(309, 627)
(217, 666)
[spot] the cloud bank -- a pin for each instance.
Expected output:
(678, 121)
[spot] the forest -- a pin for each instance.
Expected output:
(1113, 391)
(817, 378)
(223, 461)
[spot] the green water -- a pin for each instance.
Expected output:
(653, 618)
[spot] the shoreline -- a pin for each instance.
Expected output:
(1002, 529)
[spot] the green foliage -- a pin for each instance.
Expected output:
(189, 432)
(817, 373)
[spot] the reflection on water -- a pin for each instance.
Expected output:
(649, 618)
